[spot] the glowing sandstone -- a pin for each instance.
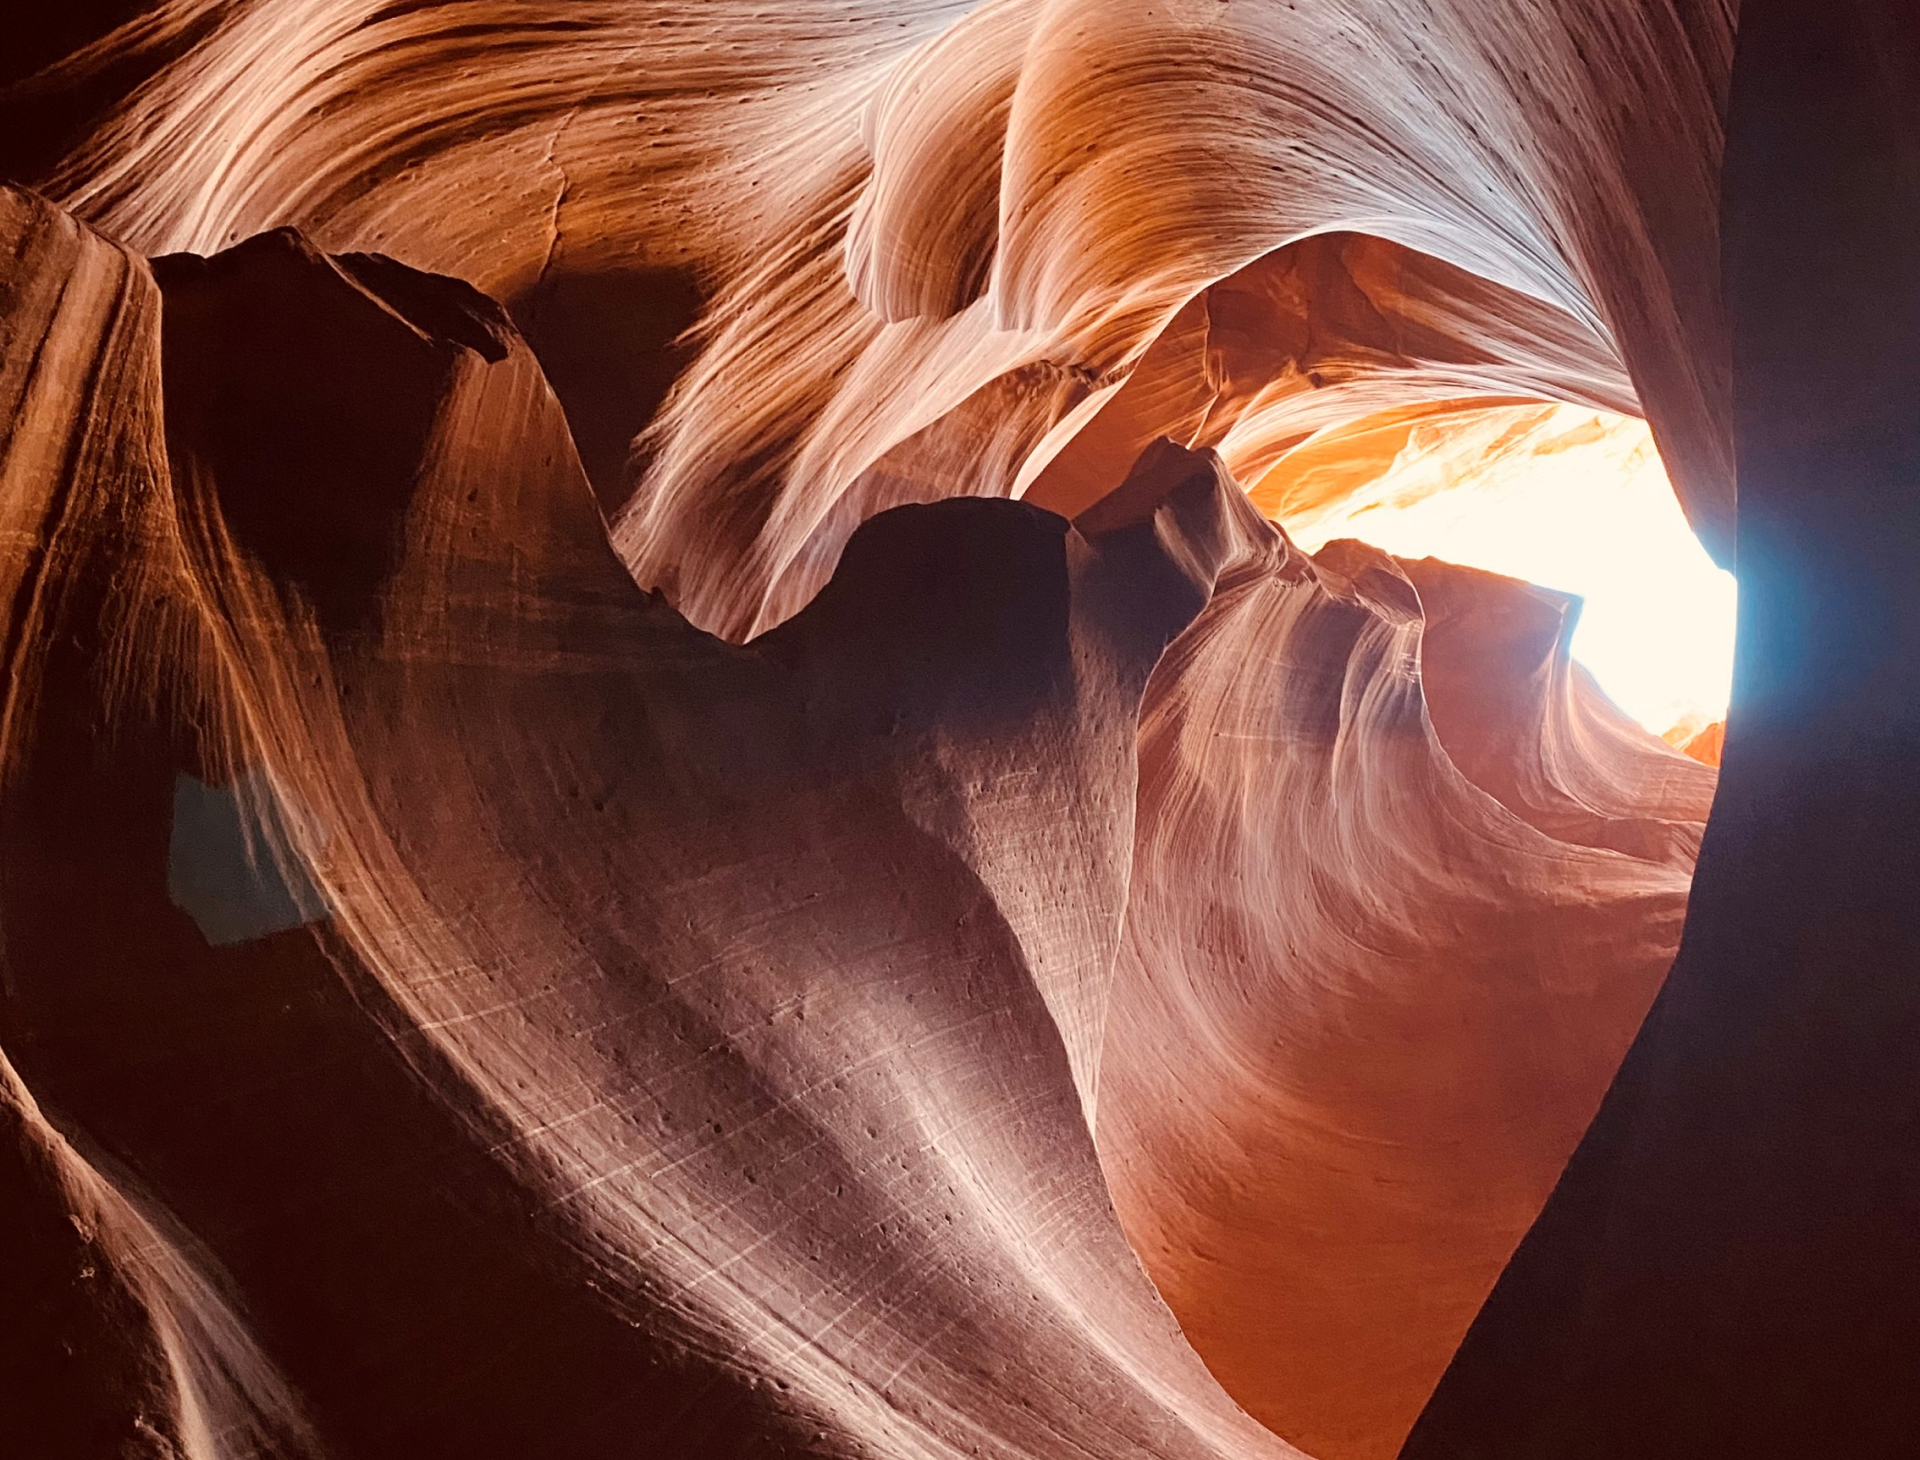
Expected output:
(1382, 952)
(767, 1169)
(825, 1038)
(829, 1139)
(932, 239)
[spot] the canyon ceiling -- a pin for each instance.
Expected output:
(669, 787)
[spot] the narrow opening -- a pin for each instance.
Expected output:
(1564, 496)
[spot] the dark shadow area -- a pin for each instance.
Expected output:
(608, 342)
(43, 117)
(1730, 1264)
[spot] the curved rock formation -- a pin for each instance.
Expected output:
(581, 881)
(119, 1342)
(908, 215)
(1381, 960)
(701, 1053)
(1727, 1265)
(729, 1025)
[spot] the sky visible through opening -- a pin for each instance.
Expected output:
(1577, 500)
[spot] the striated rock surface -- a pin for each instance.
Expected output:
(664, 792)
(1727, 1265)
(927, 240)
(1401, 895)
(579, 1032)
(688, 1054)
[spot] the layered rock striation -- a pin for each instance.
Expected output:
(664, 792)
(577, 1031)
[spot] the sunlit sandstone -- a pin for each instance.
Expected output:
(699, 758)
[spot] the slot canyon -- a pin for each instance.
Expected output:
(914, 729)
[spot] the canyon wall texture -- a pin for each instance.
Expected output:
(556, 1027)
(670, 786)
(1727, 1266)
(923, 241)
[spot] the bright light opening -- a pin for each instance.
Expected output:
(1562, 496)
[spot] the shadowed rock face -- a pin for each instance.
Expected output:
(1063, 976)
(695, 1064)
(658, 1042)
(1728, 1266)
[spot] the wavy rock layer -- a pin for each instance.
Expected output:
(901, 220)
(582, 1034)
(1383, 954)
(1031, 987)
(694, 1067)
(1727, 1266)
